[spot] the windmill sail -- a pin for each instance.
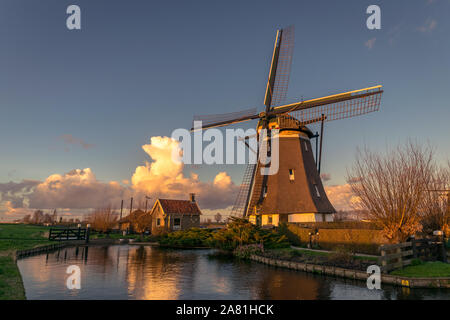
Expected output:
(280, 68)
(224, 119)
(240, 204)
(335, 107)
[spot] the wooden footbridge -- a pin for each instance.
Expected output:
(66, 234)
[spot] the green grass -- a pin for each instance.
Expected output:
(425, 270)
(23, 231)
(309, 252)
(318, 253)
(16, 237)
(11, 286)
(366, 258)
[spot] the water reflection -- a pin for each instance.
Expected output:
(138, 272)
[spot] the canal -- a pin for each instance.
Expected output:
(144, 272)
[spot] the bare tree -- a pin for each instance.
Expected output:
(435, 208)
(102, 219)
(26, 218)
(47, 218)
(55, 216)
(38, 217)
(391, 187)
(141, 221)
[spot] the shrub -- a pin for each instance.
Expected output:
(194, 237)
(416, 262)
(241, 232)
(341, 255)
(284, 254)
(245, 251)
(159, 231)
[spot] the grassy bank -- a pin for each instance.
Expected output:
(16, 237)
(313, 253)
(338, 258)
(431, 269)
(425, 270)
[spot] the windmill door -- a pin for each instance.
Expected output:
(258, 221)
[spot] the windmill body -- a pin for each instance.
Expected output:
(295, 192)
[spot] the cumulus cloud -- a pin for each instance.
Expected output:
(342, 197)
(76, 189)
(165, 178)
(13, 193)
(79, 189)
(71, 140)
(9, 209)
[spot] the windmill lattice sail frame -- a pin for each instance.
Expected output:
(365, 101)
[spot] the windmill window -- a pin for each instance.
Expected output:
(269, 219)
(158, 222)
(291, 174)
(176, 222)
(265, 191)
(269, 153)
(317, 190)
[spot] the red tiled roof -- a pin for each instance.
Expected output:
(179, 206)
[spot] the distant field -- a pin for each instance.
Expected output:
(23, 231)
(16, 237)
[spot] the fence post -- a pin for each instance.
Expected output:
(400, 258)
(443, 252)
(440, 242)
(383, 260)
(88, 231)
(414, 248)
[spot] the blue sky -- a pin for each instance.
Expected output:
(139, 69)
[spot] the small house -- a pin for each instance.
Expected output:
(174, 215)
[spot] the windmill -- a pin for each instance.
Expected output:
(295, 193)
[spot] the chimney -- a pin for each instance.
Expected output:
(192, 197)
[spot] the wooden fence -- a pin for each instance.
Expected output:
(399, 255)
(39, 250)
(67, 234)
